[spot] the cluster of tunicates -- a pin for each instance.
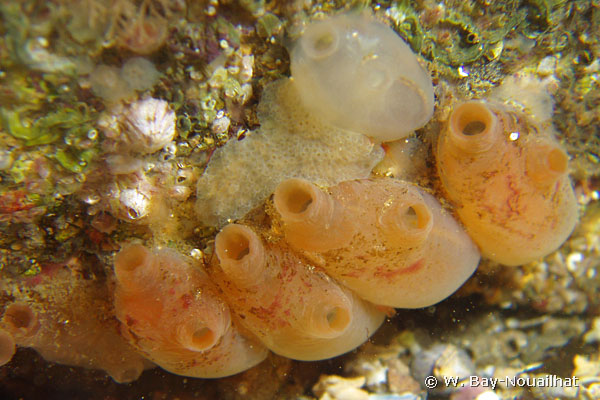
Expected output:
(114, 84)
(313, 250)
(309, 271)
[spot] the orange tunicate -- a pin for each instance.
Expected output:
(21, 320)
(7, 347)
(293, 307)
(508, 180)
(387, 240)
(87, 340)
(172, 314)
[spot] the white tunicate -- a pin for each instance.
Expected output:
(358, 74)
(106, 82)
(149, 125)
(120, 164)
(139, 73)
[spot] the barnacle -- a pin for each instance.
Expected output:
(148, 125)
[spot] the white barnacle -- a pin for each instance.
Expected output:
(134, 204)
(149, 125)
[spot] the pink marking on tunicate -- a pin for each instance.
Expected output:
(267, 313)
(414, 267)
(356, 273)
(512, 202)
(129, 320)
(186, 300)
(389, 274)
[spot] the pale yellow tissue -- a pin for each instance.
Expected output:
(356, 73)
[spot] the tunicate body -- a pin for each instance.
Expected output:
(7, 347)
(291, 305)
(508, 178)
(357, 74)
(69, 325)
(139, 73)
(106, 82)
(387, 240)
(172, 314)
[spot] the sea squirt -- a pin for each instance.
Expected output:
(7, 347)
(508, 180)
(84, 340)
(172, 314)
(293, 306)
(358, 74)
(387, 240)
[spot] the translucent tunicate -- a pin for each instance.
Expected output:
(357, 74)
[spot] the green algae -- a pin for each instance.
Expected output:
(23, 130)
(228, 30)
(47, 129)
(268, 25)
(468, 41)
(74, 160)
(34, 268)
(184, 125)
(20, 169)
(16, 24)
